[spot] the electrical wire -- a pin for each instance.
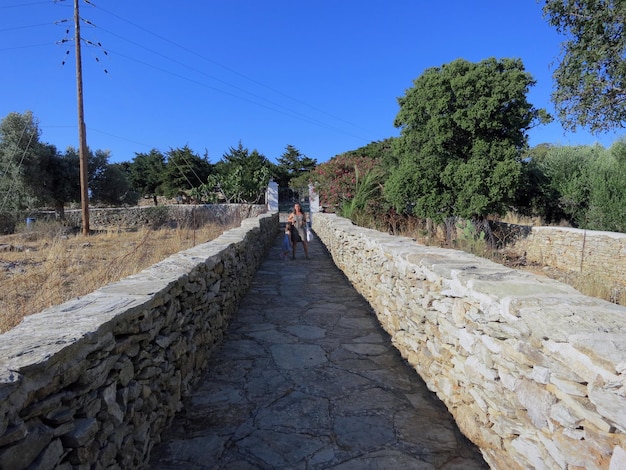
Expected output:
(243, 94)
(23, 5)
(205, 85)
(186, 49)
(15, 28)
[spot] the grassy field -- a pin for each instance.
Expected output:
(44, 266)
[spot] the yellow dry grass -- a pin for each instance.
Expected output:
(43, 267)
(589, 284)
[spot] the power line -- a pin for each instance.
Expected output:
(15, 28)
(239, 93)
(23, 5)
(287, 112)
(229, 69)
(256, 99)
(25, 47)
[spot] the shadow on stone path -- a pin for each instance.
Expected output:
(307, 379)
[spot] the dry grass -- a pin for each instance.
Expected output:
(44, 267)
(589, 284)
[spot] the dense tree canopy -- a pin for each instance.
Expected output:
(240, 176)
(61, 183)
(590, 80)
(381, 150)
(112, 187)
(607, 196)
(184, 171)
(291, 164)
(146, 173)
(19, 146)
(462, 130)
(587, 184)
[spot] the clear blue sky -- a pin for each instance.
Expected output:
(323, 76)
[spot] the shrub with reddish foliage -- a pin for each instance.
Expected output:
(335, 180)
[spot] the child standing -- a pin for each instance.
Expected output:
(286, 241)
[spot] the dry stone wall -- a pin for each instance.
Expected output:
(93, 382)
(582, 251)
(533, 372)
(176, 215)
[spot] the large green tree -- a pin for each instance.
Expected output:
(184, 171)
(535, 195)
(34, 173)
(381, 150)
(147, 173)
(64, 178)
(112, 187)
(100, 179)
(590, 80)
(291, 164)
(589, 184)
(462, 131)
(607, 198)
(240, 176)
(19, 147)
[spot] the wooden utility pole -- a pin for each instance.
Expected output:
(82, 137)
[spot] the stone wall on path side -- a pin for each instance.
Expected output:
(533, 372)
(93, 382)
(601, 254)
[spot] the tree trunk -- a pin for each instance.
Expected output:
(59, 210)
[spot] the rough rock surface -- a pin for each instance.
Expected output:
(533, 372)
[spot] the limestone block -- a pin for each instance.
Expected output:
(467, 340)
(506, 426)
(608, 349)
(581, 407)
(476, 430)
(537, 401)
(605, 443)
(553, 450)
(569, 387)
(611, 406)
(540, 375)
(478, 372)
(509, 381)
(562, 415)
(580, 363)
(532, 453)
(618, 459)
(580, 452)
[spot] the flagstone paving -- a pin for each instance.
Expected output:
(307, 379)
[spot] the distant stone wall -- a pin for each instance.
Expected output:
(581, 251)
(93, 382)
(533, 372)
(183, 215)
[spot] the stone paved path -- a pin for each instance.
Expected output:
(307, 379)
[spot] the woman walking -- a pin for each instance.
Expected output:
(297, 218)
